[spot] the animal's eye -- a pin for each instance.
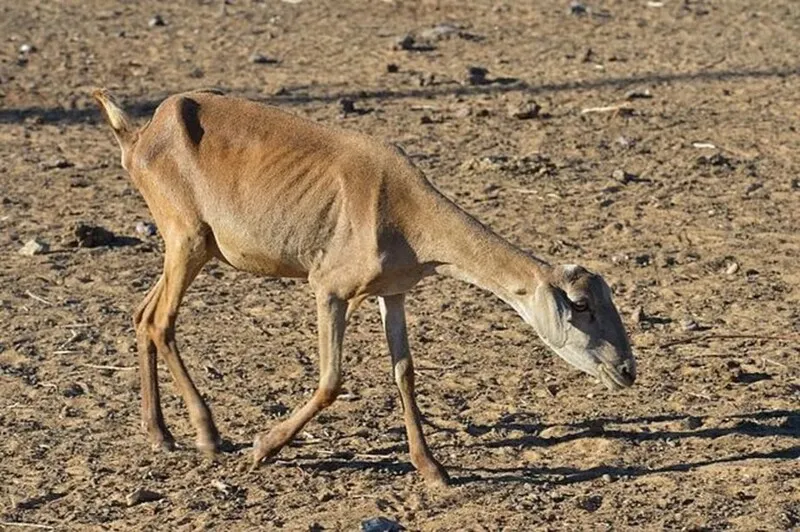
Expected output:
(580, 305)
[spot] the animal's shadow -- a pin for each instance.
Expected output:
(754, 425)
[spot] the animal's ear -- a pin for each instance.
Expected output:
(550, 314)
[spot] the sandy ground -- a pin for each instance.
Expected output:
(686, 198)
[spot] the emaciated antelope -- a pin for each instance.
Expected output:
(277, 195)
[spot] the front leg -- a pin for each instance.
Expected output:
(331, 321)
(394, 324)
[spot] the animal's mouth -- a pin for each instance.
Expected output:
(615, 378)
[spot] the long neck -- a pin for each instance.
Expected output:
(461, 247)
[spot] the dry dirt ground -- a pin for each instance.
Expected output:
(686, 198)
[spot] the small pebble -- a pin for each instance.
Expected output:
(347, 105)
(638, 95)
(34, 247)
(27, 48)
(524, 111)
(638, 315)
(392, 68)
(688, 324)
(146, 228)
(141, 496)
(462, 112)
(691, 423)
(732, 268)
(156, 21)
(381, 524)
(477, 75)
(607, 478)
(261, 59)
(405, 42)
(577, 8)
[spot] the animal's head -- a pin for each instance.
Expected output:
(573, 313)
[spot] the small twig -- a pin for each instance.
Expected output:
(37, 298)
(71, 339)
(765, 359)
(112, 368)
(65, 351)
(365, 456)
(27, 525)
(607, 109)
(700, 395)
(693, 339)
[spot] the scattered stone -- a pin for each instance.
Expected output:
(348, 107)
(622, 176)
(625, 142)
(607, 478)
(752, 187)
(59, 163)
(156, 21)
(34, 247)
(197, 73)
(638, 315)
(141, 496)
(462, 112)
(591, 503)
(261, 59)
(392, 68)
(691, 423)
(146, 228)
(732, 268)
(688, 324)
(524, 111)
(405, 42)
(577, 8)
(380, 524)
(477, 75)
(638, 95)
(89, 236)
(795, 184)
(643, 260)
(425, 119)
(27, 48)
(427, 79)
(552, 389)
(73, 390)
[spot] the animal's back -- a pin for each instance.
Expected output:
(278, 192)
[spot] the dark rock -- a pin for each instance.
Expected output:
(524, 111)
(156, 21)
(89, 236)
(381, 524)
(577, 8)
(477, 75)
(591, 503)
(261, 59)
(141, 496)
(392, 68)
(405, 42)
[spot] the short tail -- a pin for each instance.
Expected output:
(118, 119)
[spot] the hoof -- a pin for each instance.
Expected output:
(208, 446)
(436, 477)
(163, 442)
(432, 471)
(264, 448)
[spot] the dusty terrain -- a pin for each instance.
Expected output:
(686, 198)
